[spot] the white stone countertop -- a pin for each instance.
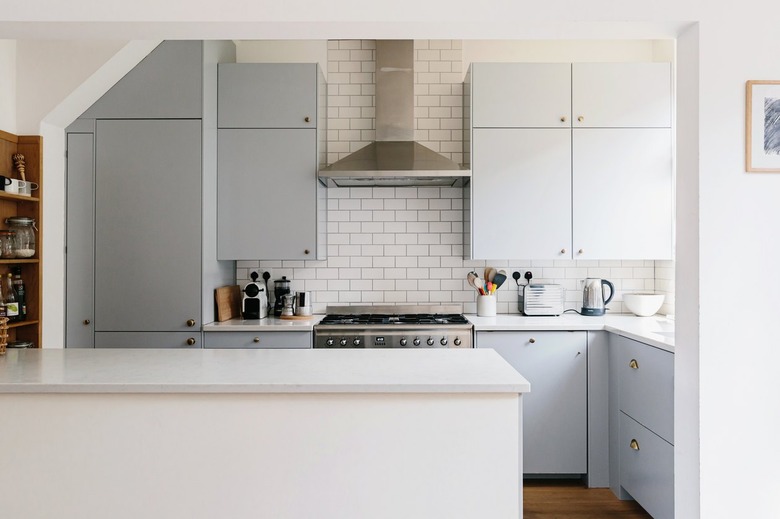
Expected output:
(258, 371)
(656, 330)
(269, 324)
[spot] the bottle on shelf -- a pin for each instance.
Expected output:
(9, 299)
(21, 295)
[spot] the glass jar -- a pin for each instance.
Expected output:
(24, 242)
(7, 249)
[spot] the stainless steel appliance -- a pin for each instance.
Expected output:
(541, 299)
(594, 302)
(402, 326)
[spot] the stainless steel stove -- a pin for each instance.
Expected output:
(402, 326)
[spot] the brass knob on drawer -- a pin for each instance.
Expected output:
(307, 119)
(190, 341)
(633, 364)
(581, 251)
(634, 445)
(256, 339)
(563, 251)
(190, 322)
(563, 119)
(532, 340)
(306, 251)
(580, 118)
(87, 321)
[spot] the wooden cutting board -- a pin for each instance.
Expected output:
(228, 302)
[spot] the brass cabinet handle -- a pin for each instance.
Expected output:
(634, 445)
(532, 340)
(306, 251)
(581, 251)
(307, 119)
(256, 339)
(563, 119)
(580, 118)
(190, 322)
(87, 321)
(563, 251)
(633, 364)
(191, 341)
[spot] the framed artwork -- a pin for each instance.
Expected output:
(762, 127)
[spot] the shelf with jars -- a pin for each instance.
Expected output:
(21, 175)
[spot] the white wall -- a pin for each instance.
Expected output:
(282, 51)
(8, 85)
(726, 235)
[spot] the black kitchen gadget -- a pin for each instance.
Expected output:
(255, 301)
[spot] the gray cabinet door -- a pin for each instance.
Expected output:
(79, 241)
(267, 95)
(266, 194)
(147, 225)
(555, 417)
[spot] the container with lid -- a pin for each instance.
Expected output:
(7, 246)
(24, 241)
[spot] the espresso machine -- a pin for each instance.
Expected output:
(281, 289)
(255, 300)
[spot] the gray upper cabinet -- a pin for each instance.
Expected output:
(267, 95)
(147, 225)
(167, 84)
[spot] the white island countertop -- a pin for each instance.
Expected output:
(258, 371)
(655, 330)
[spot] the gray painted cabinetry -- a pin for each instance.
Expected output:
(555, 420)
(270, 204)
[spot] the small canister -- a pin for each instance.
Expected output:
(24, 241)
(303, 303)
(7, 238)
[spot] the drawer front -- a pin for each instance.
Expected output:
(255, 340)
(646, 385)
(646, 468)
(148, 340)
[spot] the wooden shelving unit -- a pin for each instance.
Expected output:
(31, 146)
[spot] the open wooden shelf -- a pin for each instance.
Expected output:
(18, 198)
(19, 324)
(19, 261)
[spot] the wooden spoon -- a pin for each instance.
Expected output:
(472, 278)
(490, 272)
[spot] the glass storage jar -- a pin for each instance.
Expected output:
(7, 244)
(24, 241)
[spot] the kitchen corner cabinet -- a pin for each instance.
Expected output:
(31, 146)
(641, 422)
(271, 123)
(608, 173)
(555, 421)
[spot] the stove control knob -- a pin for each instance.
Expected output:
(457, 341)
(329, 342)
(443, 341)
(343, 342)
(356, 342)
(404, 342)
(430, 341)
(416, 341)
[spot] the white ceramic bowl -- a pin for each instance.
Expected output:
(643, 305)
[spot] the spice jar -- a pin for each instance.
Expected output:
(24, 241)
(7, 243)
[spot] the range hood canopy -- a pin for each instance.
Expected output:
(394, 159)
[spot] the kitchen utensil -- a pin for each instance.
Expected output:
(516, 277)
(643, 305)
(228, 302)
(472, 279)
(281, 289)
(288, 310)
(19, 164)
(489, 273)
(480, 284)
(594, 301)
(499, 279)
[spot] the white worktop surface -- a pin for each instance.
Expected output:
(269, 324)
(258, 371)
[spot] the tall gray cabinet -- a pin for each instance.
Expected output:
(141, 260)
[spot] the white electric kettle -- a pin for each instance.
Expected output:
(594, 302)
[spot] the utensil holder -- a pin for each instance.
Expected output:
(486, 306)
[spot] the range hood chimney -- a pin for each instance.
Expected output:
(394, 159)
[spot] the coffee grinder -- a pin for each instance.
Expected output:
(281, 289)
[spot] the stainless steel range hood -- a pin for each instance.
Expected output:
(394, 159)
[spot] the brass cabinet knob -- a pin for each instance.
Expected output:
(191, 341)
(563, 119)
(256, 339)
(563, 251)
(581, 251)
(306, 251)
(634, 445)
(532, 340)
(580, 118)
(307, 119)
(190, 322)
(633, 364)
(87, 321)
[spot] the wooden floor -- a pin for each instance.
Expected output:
(570, 499)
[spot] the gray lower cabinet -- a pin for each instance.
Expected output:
(148, 339)
(147, 225)
(641, 417)
(257, 340)
(555, 421)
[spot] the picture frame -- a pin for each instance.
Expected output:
(762, 126)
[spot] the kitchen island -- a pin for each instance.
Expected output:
(260, 433)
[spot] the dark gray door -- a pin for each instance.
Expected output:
(147, 225)
(80, 234)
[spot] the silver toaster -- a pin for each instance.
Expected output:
(542, 299)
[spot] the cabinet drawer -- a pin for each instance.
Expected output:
(646, 385)
(280, 340)
(148, 339)
(646, 468)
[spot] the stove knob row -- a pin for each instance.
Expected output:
(430, 341)
(329, 342)
(356, 342)
(457, 341)
(416, 341)
(443, 341)
(343, 342)
(404, 342)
